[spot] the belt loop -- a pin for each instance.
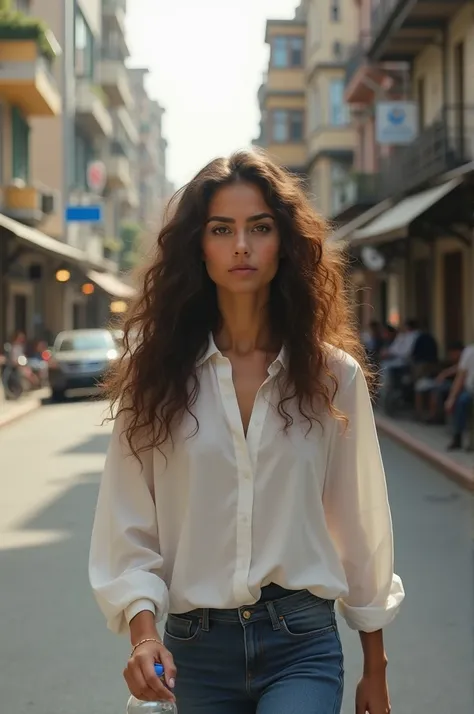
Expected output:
(273, 616)
(205, 620)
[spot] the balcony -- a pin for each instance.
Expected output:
(130, 198)
(363, 78)
(91, 113)
(356, 195)
(113, 14)
(123, 122)
(115, 82)
(25, 76)
(403, 28)
(444, 145)
(27, 204)
(118, 168)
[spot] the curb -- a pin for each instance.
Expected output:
(462, 475)
(18, 410)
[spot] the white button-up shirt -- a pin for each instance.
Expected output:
(221, 514)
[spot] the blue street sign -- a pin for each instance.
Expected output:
(83, 214)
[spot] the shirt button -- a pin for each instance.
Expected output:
(246, 614)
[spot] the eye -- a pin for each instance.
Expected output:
(220, 230)
(262, 228)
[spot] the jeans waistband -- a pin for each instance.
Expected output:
(247, 614)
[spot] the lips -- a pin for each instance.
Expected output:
(242, 268)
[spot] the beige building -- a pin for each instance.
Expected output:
(331, 29)
(424, 235)
(282, 95)
(66, 100)
(151, 165)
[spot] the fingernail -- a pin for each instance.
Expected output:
(171, 683)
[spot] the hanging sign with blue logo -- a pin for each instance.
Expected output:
(396, 122)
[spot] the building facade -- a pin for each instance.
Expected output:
(417, 63)
(66, 101)
(282, 95)
(331, 30)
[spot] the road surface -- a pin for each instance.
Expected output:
(55, 653)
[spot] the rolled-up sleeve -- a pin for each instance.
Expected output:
(125, 563)
(358, 512)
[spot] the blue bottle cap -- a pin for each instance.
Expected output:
(159, 670)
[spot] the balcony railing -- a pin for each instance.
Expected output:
(381, 11)
(361, 190)
(114, 5)
(357, 56)
(444, 145)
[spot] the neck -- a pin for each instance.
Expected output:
(245, 323)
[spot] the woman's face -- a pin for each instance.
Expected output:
(241, 243)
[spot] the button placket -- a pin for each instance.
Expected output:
(244, 479)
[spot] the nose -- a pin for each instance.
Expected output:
(241, 243)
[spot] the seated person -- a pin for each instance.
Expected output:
(397, 357)
(437, 388)
(460, 399)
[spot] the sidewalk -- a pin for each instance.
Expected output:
(429, 442)
(12, 410)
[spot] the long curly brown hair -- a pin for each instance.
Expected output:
(167, 330)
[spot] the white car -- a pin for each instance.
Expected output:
(79, 360)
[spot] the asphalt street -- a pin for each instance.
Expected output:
(56, 655)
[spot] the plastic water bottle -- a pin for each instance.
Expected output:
(135, 706)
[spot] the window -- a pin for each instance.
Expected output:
(287, 126)
(296, 51)
(335, 10)
(83, 47)
(287, 52)
(280, 126)
(280, 52)
(338, 110)
(342, 188)
(20, 146)
(84, 154)
(314, 109)
(296, 128)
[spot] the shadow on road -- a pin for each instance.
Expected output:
(96, 444)
(55, 654)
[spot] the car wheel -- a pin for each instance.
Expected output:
(57, 395)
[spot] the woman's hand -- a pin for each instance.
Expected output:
(372, 695)
(140, 675)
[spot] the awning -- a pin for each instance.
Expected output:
(42, 242)
(394, 223)
(345, 231)
(112, 285)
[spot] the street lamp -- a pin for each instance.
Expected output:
(63, 275)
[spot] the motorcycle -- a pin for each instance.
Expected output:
(24, 374)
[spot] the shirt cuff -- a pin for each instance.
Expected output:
(139, 606)
(370, 618)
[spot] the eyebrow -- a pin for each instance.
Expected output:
(223, 219)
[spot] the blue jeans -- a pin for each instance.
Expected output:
(280, 656)
(461, 412)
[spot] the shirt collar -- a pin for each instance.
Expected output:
(281, 360)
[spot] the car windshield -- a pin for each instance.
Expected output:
(84, 343)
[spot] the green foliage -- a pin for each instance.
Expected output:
(100, 94)
(18, 26)
(129, 236)
(113, 245)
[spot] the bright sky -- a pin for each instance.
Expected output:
(206, 59)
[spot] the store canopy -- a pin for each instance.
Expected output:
(345, 231)
(394, 223)
(112, 285)
(41, 241)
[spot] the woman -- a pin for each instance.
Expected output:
(243, 491)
